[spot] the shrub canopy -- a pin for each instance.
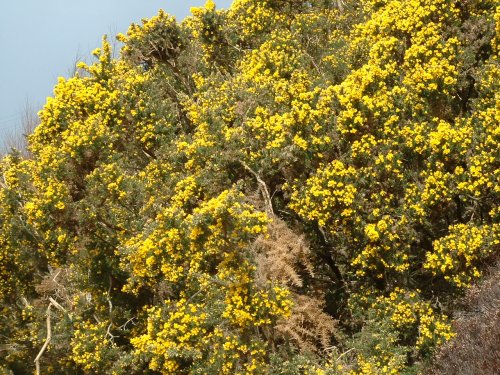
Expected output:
(283, 187)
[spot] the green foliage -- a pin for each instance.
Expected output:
(283, 187)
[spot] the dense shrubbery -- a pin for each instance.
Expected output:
(285, 187)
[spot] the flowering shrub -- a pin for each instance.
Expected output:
(280, 187)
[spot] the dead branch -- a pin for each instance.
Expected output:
(47, 340)
(52, 302)
(263, 189)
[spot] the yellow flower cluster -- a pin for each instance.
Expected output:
(399, 314)
(254, 17)
(261, 308)
(457, 255)
(232, 355)
(89, 345)
(405, 310)
(386, 364)
(329, 197)
(171, 332)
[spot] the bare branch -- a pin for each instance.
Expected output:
(47, 340)
(57, 305)
(124, 325)
(263, 188)
(52, 302)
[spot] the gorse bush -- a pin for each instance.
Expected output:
(283, 187)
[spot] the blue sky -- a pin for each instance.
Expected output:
(41, 40)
